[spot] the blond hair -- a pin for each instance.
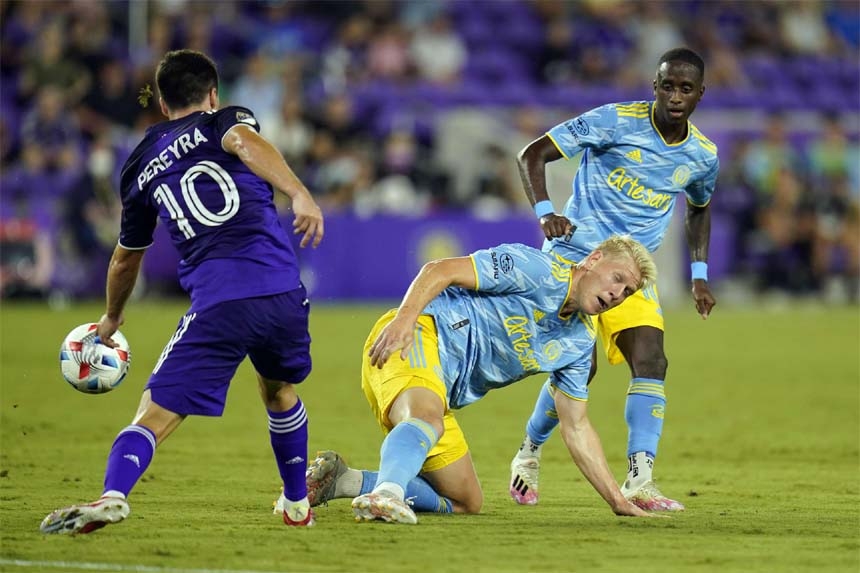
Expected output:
(624, 246)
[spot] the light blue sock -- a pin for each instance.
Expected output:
(423, 496)
(544, 418)
(404, 450)
(368, 480)
(646, 403)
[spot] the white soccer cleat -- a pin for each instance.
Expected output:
(86, 518)
(649, 497)
(320, 478)
(384, 507)
(298, 514)
(524, 480)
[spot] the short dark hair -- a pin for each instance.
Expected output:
(185, 77)
(685, 55)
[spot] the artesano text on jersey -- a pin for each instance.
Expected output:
(510, 326)
(629, 176)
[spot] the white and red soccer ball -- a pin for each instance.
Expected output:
(89, 366)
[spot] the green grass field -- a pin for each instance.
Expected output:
(761, 444)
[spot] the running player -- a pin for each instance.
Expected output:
(637, 157)
(209, 176)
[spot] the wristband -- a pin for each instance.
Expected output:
(699, 270)
(544, 208)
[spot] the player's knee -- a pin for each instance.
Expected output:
(438, 426)
(278, 396)
(650, 365)
(470, 505)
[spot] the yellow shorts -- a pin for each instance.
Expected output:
(420, 370)
(641, 309)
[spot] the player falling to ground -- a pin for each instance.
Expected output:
(209, 176)
(468, 325)
(637, 158)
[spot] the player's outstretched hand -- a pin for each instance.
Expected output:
(309, 220)
(554, 226)
(107, 327)
(630, 510)
(703, 297)
(396, 335)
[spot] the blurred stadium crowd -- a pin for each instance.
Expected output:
(409, 107)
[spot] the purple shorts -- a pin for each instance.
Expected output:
(200, 359)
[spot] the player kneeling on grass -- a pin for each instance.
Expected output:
(468, 325)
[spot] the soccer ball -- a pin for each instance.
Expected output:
(89, 366)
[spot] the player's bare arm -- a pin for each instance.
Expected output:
(266, 162)
(531, 162)
(122, 276)
(698, 226)
(432, 279)
(586, 450)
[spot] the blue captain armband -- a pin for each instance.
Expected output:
(699, 270)
(544, 208)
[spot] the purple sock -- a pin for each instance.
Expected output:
(289, 434)
(129, 457)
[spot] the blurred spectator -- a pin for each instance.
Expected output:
(95, 206)
(738, 200)
(399, 186)
(280, 30)
(787, 223)
(767, 157)
(47, 65)
(723, 65)
(756, 33)
(20, 24)
(159, 40)
(834, 167)
(832, 156)
(259, 88)
(388, 54)
(52, 129)
(438, 52)
(654, 29)
(603, 33)
(403, 158)
(111, 102)
(215, 28)
(338, 117)
(556, 59)
(92, 40)
(292, 133)
(498, 192)
(344, 62)
(802, 28)
(836, 250)
(26, 259)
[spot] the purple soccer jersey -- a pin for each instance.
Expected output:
(220, 215)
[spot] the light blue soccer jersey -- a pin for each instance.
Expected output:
(629, 177)
(509, 327)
